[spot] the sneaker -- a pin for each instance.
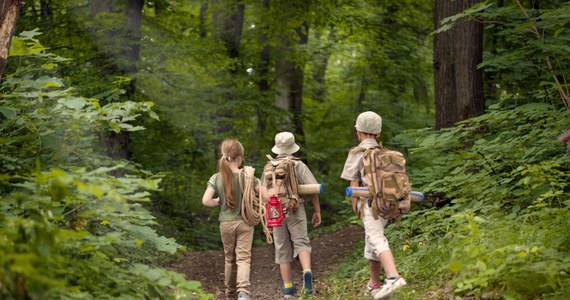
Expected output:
(373, 290)
(289, 293)
(243, 296)
(390, 285)
(307, 283)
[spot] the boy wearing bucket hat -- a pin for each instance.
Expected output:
(377, 250)
(292, 239)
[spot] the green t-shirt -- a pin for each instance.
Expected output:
(225, 213)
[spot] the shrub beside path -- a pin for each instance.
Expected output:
(328, 251)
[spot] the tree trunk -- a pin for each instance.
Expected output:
(133, 38)
(202, 26)
(227, 21)
(160, 7)
(468, 53)
(46, 8)
(9, 10)
(457, 52)
(290, 81)
(133, 34)
(320, 64)
(263, 69)
(445, 92)
(297, 85)
(128, 42)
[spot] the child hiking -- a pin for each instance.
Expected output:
(228, 188)
(281, 177)
(377, 250)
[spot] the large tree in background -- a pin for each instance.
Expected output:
(263, 68)
(320, 64)
(290, 61)
(227, 24)
(133, 34)
(290, 79)
(457, 52)
(121, 54)
(9, 10)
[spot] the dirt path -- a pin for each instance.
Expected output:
(328, 250)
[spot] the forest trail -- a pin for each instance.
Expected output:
(328, 250)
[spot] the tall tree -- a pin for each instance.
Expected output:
(120, 53)
(227, 22)
(133, 34)
(263, 69)
(290, 79)
(228, 17)
(320, 64)
(9, 10)
(457, 52)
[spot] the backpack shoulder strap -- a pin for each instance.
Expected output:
(356, 150)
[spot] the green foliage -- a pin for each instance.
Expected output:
(69, 227)
(498, 183)
(498, 155)
(529, 47)
(202, 96)
(503, 234)
(506, 176)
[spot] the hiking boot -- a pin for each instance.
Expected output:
(373, 290)
(390, 285)
(243, 296)
(307, 284)
(289, 293)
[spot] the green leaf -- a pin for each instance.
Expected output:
(48, 66)
(455, 266)
(9, 112)
(73, 103)
(18, 47)
(54, 82)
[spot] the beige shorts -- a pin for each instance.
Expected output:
(291, 237)
(375, 241)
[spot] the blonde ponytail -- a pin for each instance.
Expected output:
(230, 150)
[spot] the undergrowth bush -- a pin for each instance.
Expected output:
(70, 228)
(502, 232)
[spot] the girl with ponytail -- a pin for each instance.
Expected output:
(224, 189)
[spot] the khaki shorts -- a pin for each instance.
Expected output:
(291, 237)
(375, 241)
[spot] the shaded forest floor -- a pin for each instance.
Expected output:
(328, 250)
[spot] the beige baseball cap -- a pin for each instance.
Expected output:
(285, 143)
(369, 122)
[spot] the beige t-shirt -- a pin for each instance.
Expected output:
(353, 167)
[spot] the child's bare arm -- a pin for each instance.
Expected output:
(207, 199)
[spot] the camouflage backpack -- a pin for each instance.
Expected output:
(281, 179)
(388, 183)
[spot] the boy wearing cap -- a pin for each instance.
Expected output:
(291, 239)
(377, 250)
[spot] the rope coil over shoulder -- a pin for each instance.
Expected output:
(252, 210)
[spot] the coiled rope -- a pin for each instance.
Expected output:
(252, 210)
